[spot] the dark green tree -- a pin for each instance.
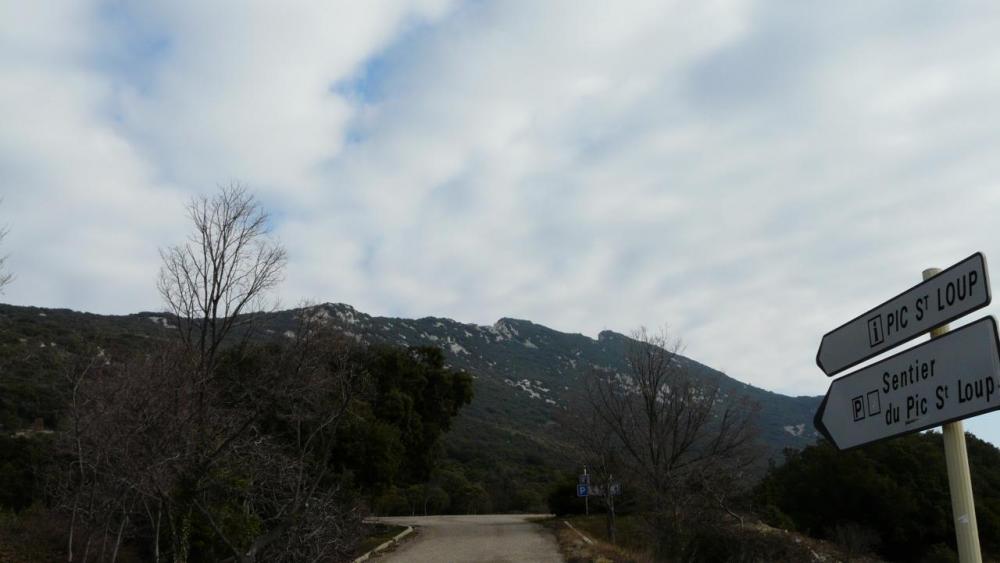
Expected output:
(897, 489)
(393, 435)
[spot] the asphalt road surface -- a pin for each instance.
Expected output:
(492, 538)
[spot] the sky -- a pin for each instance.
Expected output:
(750, 174)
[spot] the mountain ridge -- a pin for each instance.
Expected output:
(525, 372)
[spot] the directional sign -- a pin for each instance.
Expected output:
(955, 292)
(582, 490)
(600, 491)
(952, 377)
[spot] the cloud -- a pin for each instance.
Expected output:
(115, 115)
(76, 194)
(751, 175)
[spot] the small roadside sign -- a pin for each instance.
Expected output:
(584, 479)
(600, 490)
(582, 490)
(953, 293)
(952, 377)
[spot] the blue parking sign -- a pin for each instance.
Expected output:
(582, 490)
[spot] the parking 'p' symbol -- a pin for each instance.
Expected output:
(858, 406)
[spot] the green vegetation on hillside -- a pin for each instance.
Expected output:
(890, 496)
(400, 404)
(394, 433)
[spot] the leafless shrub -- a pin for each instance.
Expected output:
(854, 539)
(681, 439)
(194, 438)
(153, 447)
(5, 276)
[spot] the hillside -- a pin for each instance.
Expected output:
(525, 372)
(506, 444)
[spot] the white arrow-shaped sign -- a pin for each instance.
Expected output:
(955, 292)
(952, 377)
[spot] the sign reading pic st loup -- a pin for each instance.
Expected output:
(955, 292)
(952, 377)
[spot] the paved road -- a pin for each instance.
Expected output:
(497, 538)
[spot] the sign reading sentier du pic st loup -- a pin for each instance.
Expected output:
(952, 377)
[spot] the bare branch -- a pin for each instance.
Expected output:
(219, 278)
(5, 276)
(675, 434)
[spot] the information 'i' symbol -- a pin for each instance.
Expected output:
(875, 333)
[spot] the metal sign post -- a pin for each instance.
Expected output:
(963, 506)
(610, 499)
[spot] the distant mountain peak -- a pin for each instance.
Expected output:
(506, 328)
(605, 335)
(335, 307)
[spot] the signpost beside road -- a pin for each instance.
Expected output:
(954, 292)
(583, 490)
(615, 489)
(952, 377)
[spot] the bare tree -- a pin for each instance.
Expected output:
(223, 272)
(213, 284)
(597, 449)
(154, 447)
(302, 394)
(97, 494)
(5, 276)
(681, 438)
(194, 437)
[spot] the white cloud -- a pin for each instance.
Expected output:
(750, 175)
(107, 131)
(76, 195)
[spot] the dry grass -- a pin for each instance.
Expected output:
(376, 535)
(823, 550)
(757, 542)
(576, 550)
(33, 536)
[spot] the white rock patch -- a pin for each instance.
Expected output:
(162, 321)
(797, 430)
